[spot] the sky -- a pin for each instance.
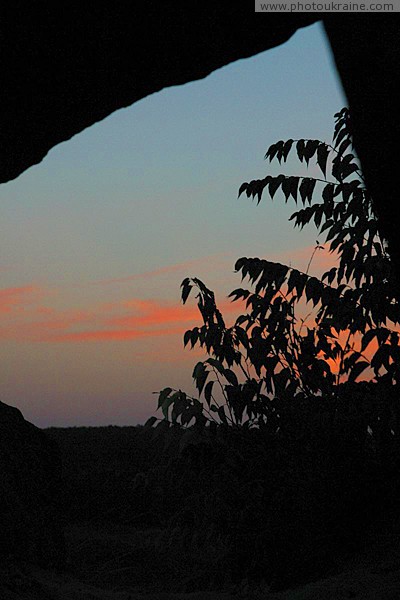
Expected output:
(96, 240)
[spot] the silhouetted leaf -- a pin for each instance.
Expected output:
(348, 170)
(186, 287)
(367, 338)
(275, 150)
(221, 414)
(328, 223)
(381, 358)
(194, 337)
(301, 284)
(208, 392)
(241, 334)
(344, 145)
(274, 184)
(293, 279)
(330, 275)
(239, 294)
(328, 192)
(239, 263)
(340, 136)
(358, 368)
(300, 149)
(303, 189)
(312, 290)
(382, 334)
(216, 364)
(286, 149)
(163, 395)
(230, 377)
(167, 403)
(310, 149)
(186, 337)
(200, 375)
(243, 188)
(150, 422)
(294, 183)
(322, 157)
(286, 186)
(318, 214)
(306, 189)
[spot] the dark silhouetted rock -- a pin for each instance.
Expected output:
(30, 474)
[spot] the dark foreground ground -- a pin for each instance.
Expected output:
(162, 514)
(371, 574)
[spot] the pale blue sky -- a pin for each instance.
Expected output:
(151, 186)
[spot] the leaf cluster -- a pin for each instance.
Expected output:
(271, 355)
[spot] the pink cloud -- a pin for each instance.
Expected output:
(24, 326)
(151, 312)
(151, 318)
(110, 335)
(24, 320)
(13, 297)
(44, 310)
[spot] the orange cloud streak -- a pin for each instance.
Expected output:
(16, 296)
(125, 320)
(152, 315)
(107, 335)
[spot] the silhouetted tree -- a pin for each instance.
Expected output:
(272, 356)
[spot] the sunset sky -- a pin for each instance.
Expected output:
(96, 240)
